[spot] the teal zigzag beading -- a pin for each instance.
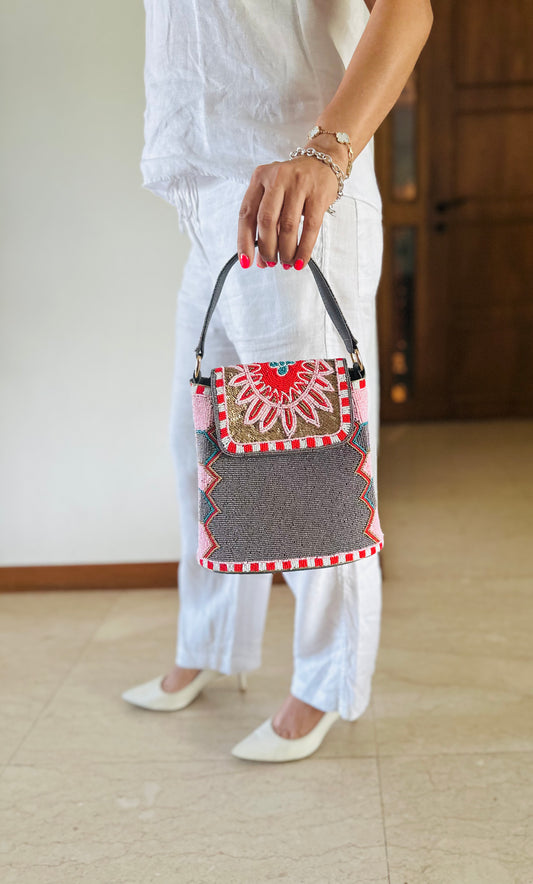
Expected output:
(208, 452)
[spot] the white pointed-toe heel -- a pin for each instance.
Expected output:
(264, 744)
(150, 694)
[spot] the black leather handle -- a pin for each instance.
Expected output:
(330, 302)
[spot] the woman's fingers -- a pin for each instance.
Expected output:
(268, 217)
(248, 220)
(289, 224)
(271, 211)
(313, 217)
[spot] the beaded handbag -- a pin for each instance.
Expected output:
(284, 468)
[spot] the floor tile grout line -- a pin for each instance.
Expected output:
(222, 758)
(74, 663)
(380, 786)
(407, 755)
(186, 760)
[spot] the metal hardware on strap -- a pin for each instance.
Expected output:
(196, 372)
(356, 356)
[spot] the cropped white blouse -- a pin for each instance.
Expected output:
(231, 84)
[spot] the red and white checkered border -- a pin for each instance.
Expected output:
(199, 389)
(290, 564)
(316, 441)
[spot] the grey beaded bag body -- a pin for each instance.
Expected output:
(284, 467)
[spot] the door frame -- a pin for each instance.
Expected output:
(429, 399)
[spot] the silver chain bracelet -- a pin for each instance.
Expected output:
(324, 158)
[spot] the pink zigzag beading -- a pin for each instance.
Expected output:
(373, 527)
(367, 478)
(205, 478)
(205, 541)
(208, 492)
(208, 479)
(202, 409)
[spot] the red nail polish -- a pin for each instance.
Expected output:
(298, 264)
(287, 266)
(244, 260)
(271, 263)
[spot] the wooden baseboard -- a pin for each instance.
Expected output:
(137, 575)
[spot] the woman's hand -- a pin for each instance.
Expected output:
(278, 195)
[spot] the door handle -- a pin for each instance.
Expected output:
(443, 206)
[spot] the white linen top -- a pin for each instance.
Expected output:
(231, 84)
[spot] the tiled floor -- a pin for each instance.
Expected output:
(434, 785)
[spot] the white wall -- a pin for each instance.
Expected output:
(90, 267)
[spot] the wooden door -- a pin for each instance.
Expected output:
(454, 160)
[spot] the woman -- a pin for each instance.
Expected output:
(231, 88)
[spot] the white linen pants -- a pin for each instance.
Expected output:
(276, 314)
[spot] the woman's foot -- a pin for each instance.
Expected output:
(178, 678)
(295, 718)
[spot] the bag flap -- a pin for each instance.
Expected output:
(282, 406)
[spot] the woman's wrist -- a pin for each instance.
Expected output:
(329, 144)
(328, 161)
